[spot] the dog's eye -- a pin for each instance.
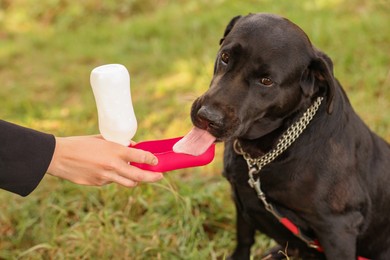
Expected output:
(266, 81)
(225, 57)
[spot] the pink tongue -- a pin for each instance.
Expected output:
(196, 142)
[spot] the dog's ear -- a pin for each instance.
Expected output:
(318, 77)
(229, 27)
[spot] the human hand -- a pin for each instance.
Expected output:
(91, 160)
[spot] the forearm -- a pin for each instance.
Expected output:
(25, 155)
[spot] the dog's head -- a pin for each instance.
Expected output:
(265, 71)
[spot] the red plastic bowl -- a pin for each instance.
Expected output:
(168, 160)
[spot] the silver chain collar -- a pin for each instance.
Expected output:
(256, 164)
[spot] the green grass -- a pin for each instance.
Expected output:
(46, 54)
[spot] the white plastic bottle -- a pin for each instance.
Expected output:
(111, 88)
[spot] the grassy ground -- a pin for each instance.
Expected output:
(47, 51)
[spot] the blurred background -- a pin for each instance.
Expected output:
(47, 51)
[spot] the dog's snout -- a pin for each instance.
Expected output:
(210, 117)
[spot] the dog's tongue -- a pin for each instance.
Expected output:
(196, 142)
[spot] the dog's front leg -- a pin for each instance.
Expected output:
(338, 236)
(245, 237)
(338, 246)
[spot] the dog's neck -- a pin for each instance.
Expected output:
(260, 146)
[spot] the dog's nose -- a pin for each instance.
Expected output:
(210, 117)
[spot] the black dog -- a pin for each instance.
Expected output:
(273, 96)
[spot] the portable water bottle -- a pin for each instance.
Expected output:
(117, 123)
(111, 88)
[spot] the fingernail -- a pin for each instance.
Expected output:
(154, 161)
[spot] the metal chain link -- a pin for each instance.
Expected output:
(291, 134)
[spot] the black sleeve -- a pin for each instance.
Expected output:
(25, 155)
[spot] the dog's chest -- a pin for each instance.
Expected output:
(279, 190)
(274, 180)
(236, 172)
